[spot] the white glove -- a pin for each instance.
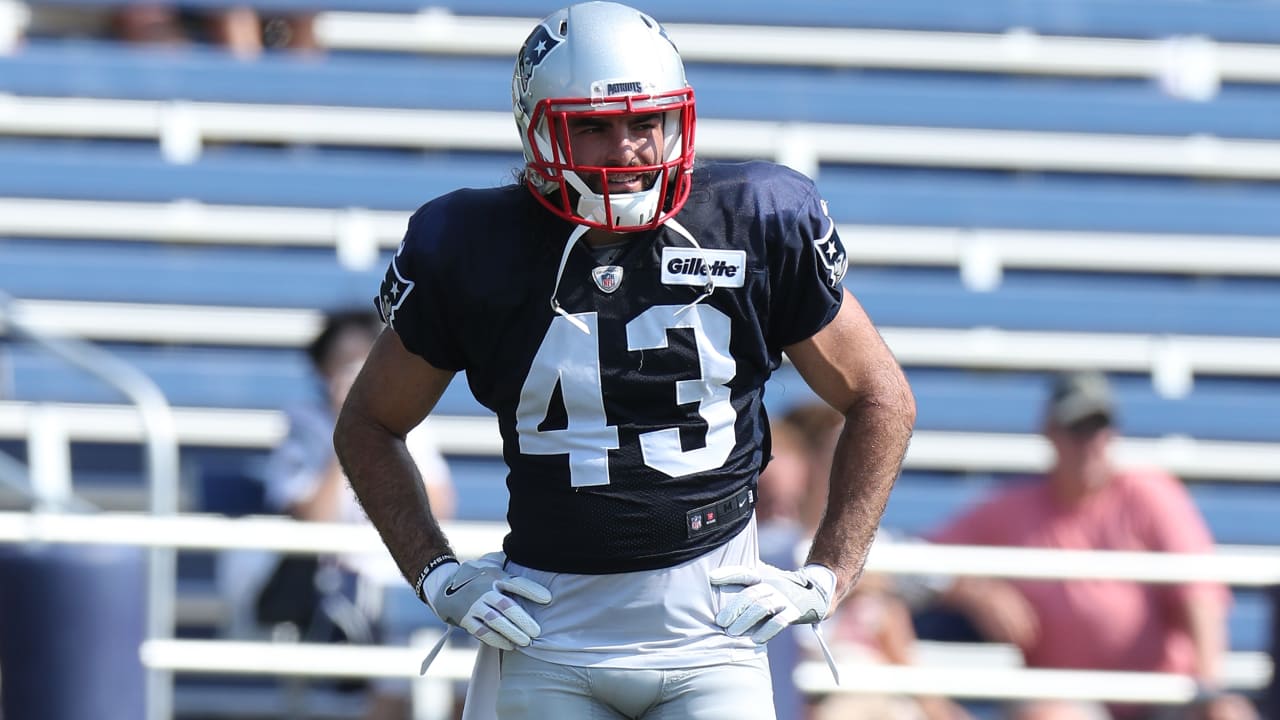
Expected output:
(478, 596)
(772, 598)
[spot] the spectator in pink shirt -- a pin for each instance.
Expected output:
(1086, 502)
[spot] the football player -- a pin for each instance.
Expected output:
(620, 310)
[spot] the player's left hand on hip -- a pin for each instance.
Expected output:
(772, 598)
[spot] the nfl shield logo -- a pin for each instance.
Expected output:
(607, 277)
(695, 523)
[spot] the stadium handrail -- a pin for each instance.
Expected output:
(50, 468)
(182, 127)
(1189, 458)
(351, 231)
(1018, 51)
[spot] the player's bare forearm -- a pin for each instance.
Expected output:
(868, 458)
(849, 366)
(390, 489)
(392, 394)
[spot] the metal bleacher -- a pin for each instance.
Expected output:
(1022, 186)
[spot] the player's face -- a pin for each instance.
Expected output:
(617, 141)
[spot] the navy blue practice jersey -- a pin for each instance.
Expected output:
(634, 433)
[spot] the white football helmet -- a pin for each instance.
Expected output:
(602, 59)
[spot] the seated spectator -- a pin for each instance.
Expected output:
(241, 30)
(872, 624)
(303, 478)
(1087, 502)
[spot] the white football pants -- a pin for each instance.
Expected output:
(537, 690)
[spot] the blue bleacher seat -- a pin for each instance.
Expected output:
(84, 170)
(243, 176)
(196, 275)
(89, 69)
(1084, 203)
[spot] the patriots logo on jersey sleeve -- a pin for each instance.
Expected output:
(831, 252)
(395, 289)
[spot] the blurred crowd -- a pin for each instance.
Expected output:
(241, 31)
(1085, 501)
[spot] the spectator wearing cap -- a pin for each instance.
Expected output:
(1087, 502)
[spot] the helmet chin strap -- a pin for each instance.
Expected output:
(581, 230)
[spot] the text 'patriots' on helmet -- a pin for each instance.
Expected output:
(602, 60)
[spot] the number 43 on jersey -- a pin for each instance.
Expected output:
(570, 358)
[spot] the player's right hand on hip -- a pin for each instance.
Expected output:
(480, 597)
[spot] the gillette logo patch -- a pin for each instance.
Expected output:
(689, 266)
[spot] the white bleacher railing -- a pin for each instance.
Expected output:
(985, 672)
(1017, 51)
(352, 230)
(1173, 360)
(161, 322)
(1189, 458)
(182, 127)
(1238, 566)
(969, 682)
(1062, 250)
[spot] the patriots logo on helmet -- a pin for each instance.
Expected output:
(533, 52)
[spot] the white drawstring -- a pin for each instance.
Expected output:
(435, 650)
(577, 233)
(710, 286)
(826, 653)
(581, 230)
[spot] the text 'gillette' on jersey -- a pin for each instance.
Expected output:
(693, 266)
(642, 406)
